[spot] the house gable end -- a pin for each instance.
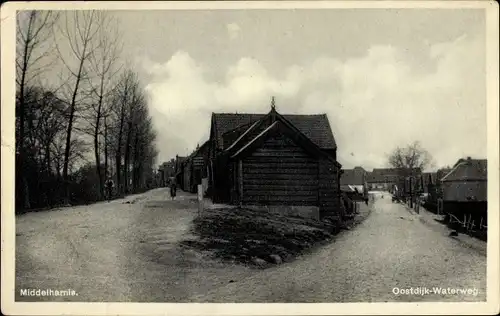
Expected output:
(279, 128)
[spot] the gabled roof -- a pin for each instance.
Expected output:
(351, 188)
(242, 133)
(441, 173)
(356, 176)
(203, 147)
(468, 170)
(286, 128)
(255, 140)
(179, 160)
(316, 127)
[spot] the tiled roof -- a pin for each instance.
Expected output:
(200, 150)
(315, 127)
(468, 169)
(441, 173)
(353, 176)
(392, 171)
(382, 175)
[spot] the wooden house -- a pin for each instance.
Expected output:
(356, 176)
(466, 182)
(382, 178)
(432, 183)
(464, 189)
(274, 160)
(353, 181)
(186, 175)
(195, 169)
(179, 171)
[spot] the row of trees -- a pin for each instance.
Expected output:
(81, 114)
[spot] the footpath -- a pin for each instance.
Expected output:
(434, 221)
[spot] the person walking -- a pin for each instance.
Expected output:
(109, 189)
(173, 188)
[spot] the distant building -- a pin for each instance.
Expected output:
(179, 170)
(387, 178)
(356, 176)
(465, 188)
(166, 171)
(353, 180)
(195, 169)
(466, 182)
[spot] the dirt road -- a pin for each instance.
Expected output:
(388, 255)
(128, 252)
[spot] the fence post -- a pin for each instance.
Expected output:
(200, 199)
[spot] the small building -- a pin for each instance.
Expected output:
(186, 174)
(284, 162)
(179, 171)
(353, 181)
(165, 171)
(356, 176)
(464, 190)
(432, 186)
(387, 178)
(196, 169)
(466, 182)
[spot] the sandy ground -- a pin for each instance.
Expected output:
(116, 252)
(392, 249)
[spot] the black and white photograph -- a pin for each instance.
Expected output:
(250, 152)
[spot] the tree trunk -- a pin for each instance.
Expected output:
(118, 157)
(106, 171)
(70, 129)
(135, 162)
(98, 161)
(23, 189)
(47, 159)
(127, 156)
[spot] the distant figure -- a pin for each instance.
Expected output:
(173, 188)
(109, 189)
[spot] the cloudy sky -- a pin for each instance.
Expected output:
(384, 77)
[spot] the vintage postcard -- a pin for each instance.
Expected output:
(250, 158)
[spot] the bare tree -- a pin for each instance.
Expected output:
(410, 161)
(34, 30)
(121, 108)
(93, 105)
(411, 157)
(144, 147)
(80, 30)
(136, 105)
(103, 62)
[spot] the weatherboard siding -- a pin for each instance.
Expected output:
(329, 188)
(459, 191)
(280, 173)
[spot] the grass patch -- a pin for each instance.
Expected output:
(257, 238)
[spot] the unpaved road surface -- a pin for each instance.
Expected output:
(116, 252)
(391, 249)
(119, 252)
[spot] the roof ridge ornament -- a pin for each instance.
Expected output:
(273, 109)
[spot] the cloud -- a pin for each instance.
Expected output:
(233, 30)
(374, 102)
